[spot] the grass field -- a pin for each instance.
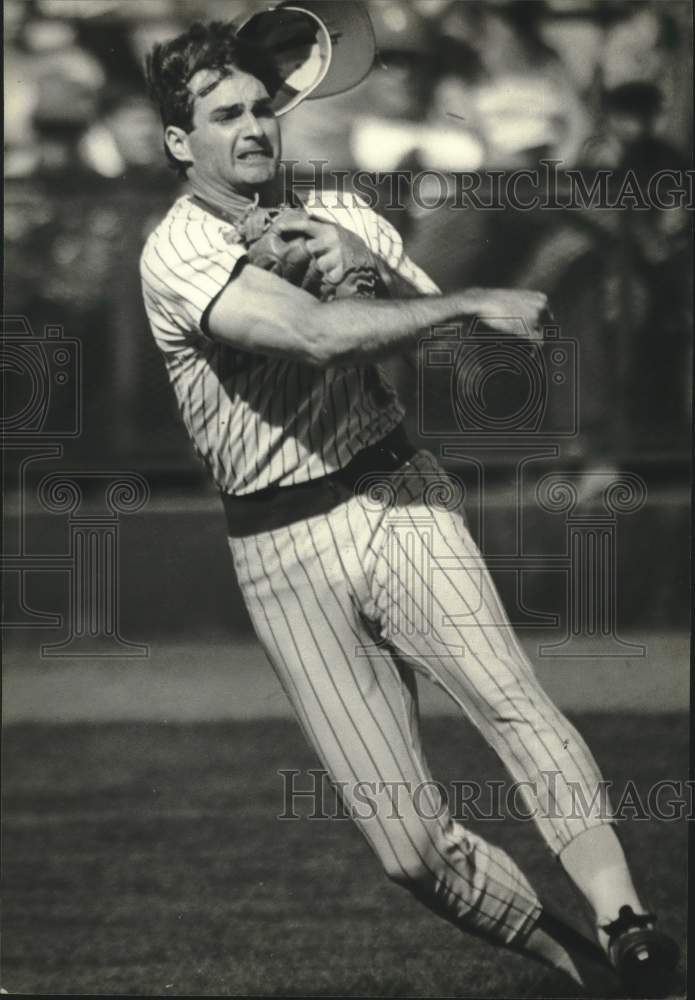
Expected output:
(147, 859)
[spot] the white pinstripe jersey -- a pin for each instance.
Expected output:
(255, 420)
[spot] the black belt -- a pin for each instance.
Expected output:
(278, 506)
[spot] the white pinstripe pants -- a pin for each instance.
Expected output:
(347, 606)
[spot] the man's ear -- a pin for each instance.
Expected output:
(176, 139)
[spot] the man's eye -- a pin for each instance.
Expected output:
(264, 111)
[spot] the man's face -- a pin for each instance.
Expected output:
(235, 140)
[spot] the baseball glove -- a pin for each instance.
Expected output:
(273, 245)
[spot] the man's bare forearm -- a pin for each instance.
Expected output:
(262, 313)
(354, 331)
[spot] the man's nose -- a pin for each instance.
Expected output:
(252, 126)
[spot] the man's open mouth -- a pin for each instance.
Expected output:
(255, 154)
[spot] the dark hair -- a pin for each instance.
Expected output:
(215, 45)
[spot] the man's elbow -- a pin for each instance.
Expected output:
(307, 329)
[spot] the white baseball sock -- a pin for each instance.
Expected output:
(596, 863)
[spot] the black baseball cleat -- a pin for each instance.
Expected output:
(644, 958)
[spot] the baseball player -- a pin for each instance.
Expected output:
(272, 323)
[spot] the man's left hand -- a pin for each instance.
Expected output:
(338, 252)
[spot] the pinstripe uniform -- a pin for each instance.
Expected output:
(382, 583)
(257, 421)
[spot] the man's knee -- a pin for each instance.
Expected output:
(408, 871)
(421, 861)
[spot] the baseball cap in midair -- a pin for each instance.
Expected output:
(320, 47)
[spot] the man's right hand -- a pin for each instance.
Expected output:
(515, 311)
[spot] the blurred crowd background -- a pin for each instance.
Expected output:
(457, 86)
